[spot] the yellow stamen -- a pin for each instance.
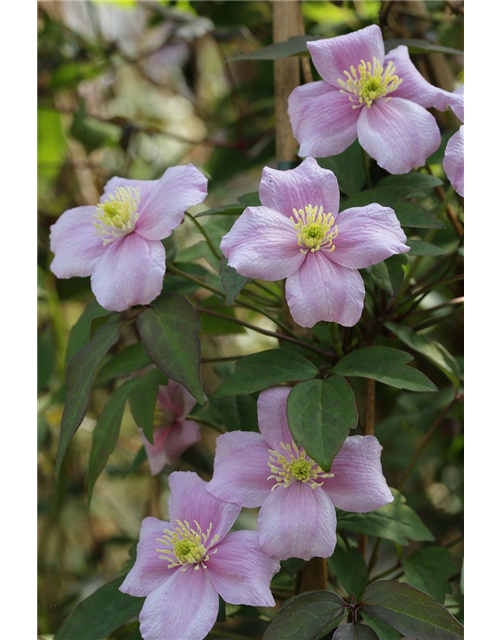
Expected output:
(117, 216)
(187, 546)
(371, 84)
(315, 229)
(294, 465)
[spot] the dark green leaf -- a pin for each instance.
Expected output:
(389, 274)
(292, 565)
(226, 210)
(307, 617)
(413, 613)
(384, 365)
(236, 413)
(431, 349)
(320, 414)
(293, 46)
(266, 369)
(429, 569)
(131, 358)
(414, 180)
(250, 199)
(348, 167)
(386, 196)
(139, 459)
(350, 568)
(80, 375)
(215, 325)
(395, 521)
(232, 282)
(420, 46)
(411, 214)
(45, 358)
(106, 432)
(143, 400)
(423, 248)
(100, 614)
(382, 629)
(355, 632)
(169, 334)
(80, 333)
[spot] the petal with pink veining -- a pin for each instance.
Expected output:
(358, 484)
(323, 120)
(453, 162)
(297, 522)
(456, 101)
(155, 452)
(241, 469)
(399, 134)
(182, 435)
(271, 413)
(324, 291)
(76, 246)
(175, 399)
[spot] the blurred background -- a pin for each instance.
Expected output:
(129, 89)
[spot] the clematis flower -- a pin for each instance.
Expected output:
(453, 162)
(118, 242)
(173, 434)
(298, 498)
(379, 99)
(298, 235)
(184, 565)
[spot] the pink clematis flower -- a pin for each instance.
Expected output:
(454, 158)
(173, 434)
(184, 565)
(379, 99)
(298, 498)
(118, 242)
(298, 235)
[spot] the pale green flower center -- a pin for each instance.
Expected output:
(117, 216)
(369, 82)
(293, 465)
(187, 546)
(315, 229)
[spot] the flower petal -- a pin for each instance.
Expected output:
(148, 572)
(130, 272)
(182, 435)
(262, 244)
(271, 413)
(185, 608)
(155, 452)
(456, 101)
(75, 244)
(414, 86)
(241, 469)
(399, 134)
(285, 191)
(333, 56)
(453, 162)
(179, 188)
(175, 399)
(146, 187)
(189, 500)
(322, 290)
(367, 235)
(323, 120)
(242, 572)
(358, 484)
(297, 522)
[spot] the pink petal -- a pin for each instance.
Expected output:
(189, 500)
(358, 484)
(262, 244)
(333, 56)
(322, 290)
(74, 242)
(130, 272)
(399, 134)
(414, 86)
(271, 413)
(148, 572)
(323, 120)
(367, 235)
(456, 101)
(453, 162)
(183, 609)
(157, 456)
(242, 572)
(285, 191)
(179, 188)
(175, 399)
(297, 522)
(182, 435)
(146, 187)
(241, 469)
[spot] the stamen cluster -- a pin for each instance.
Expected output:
(315, 229)
(187, 546)
(118, 215)
(371, 84)
(294, 465)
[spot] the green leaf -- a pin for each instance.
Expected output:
(226, 210)
(143, 400)
(320, 414)
(292, 565)
(383, 630)
(348, 167)
(105, 433)
(279, 50)
(168, 332)
(355, 632)
(420, 46)
(263, 370)
(100, 614)
(414, 180)
(232, 282)
(250, 199)
(395, 521)
(307, 617)
(386, 196)
(423, 248)
(214, 325)
(350, 568)
(411, 214)
(130, 359)
(80, 333)
(80, 375)
(384, 365)
(45, 358)
(236, 413)
(429, 569)
(413, 613)
(431, 349)
(389, 274)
